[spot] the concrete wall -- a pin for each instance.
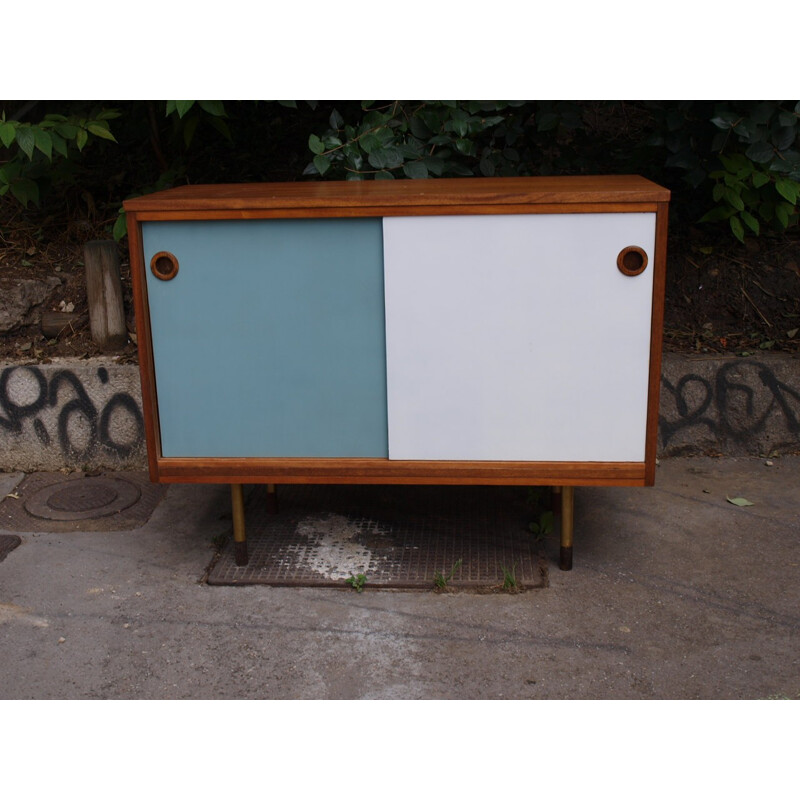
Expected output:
(730, 406)
(80, 414)
(86, 414)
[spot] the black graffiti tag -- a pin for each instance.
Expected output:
(733, 400)
(12, 414)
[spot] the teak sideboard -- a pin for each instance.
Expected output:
(453, 331)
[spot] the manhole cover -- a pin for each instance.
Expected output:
(54, 503)
(89, 498)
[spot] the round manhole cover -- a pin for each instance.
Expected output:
(86, 498)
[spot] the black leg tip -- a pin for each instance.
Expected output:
(240, 554)
(565, 561)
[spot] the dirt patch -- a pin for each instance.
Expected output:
(39, 247)
(728, 298)
(722, 297)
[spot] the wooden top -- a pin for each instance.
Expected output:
(396, 195)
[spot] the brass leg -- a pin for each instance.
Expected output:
(272, 498)
(239, 539)
(555, 499)
(567, 524)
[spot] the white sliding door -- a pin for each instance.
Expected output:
(516, 337)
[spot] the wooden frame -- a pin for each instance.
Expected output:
(572, 195)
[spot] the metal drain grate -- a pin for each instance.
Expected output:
(7, 543)
(398, 536)
(60, 503)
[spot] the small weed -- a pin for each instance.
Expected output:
(543, 528)
(440, 581)
(219, 541)
(357, 581)
(510, 578)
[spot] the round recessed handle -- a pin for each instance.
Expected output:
(632, 260)
(164, 266)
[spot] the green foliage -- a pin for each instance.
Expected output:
(440, 581)
(32, 151)
(357, 582)
(190, 113)
(510, 578)
(745, 155)
(544, 527)
(419, 140)
(762, 183)
(741, 158)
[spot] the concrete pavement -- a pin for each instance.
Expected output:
(676, 593)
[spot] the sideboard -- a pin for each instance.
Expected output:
(496, 331)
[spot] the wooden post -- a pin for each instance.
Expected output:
(104, 293)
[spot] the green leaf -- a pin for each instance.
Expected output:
(725, 119)
(788, 189)
(386, 158)
(434, 164)
(733, 199)
(384, 176)
(43, 142)
(370, 142)
(322, 163)
(221, 127)
(170, 106)
(761, 152)
(68, 130)
(418, 128)
(26, 141)
(81, 137)
(120, 227)
(214, 107)
(466, 146)
(783, 137)
(25, 191)
(717, 191)
(100, 130)
(8, 133)
(189, 130)
(751, 222)
(459, 122)
(760, 179)
(415, 169)
(717, 214)
(487, 167)
(288, 103)
(336, 121)
(739, 501)
(315, 144)
(737, 228)
(108, 113)
(782, 215)
(59, 145)
(182, 106)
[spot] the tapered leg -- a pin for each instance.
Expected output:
(239, 538)
(555, 499)
(567, 524)
(272, 498)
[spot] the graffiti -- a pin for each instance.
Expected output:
(80, 428)
(735, 404)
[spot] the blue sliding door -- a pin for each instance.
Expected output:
(270, 340)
